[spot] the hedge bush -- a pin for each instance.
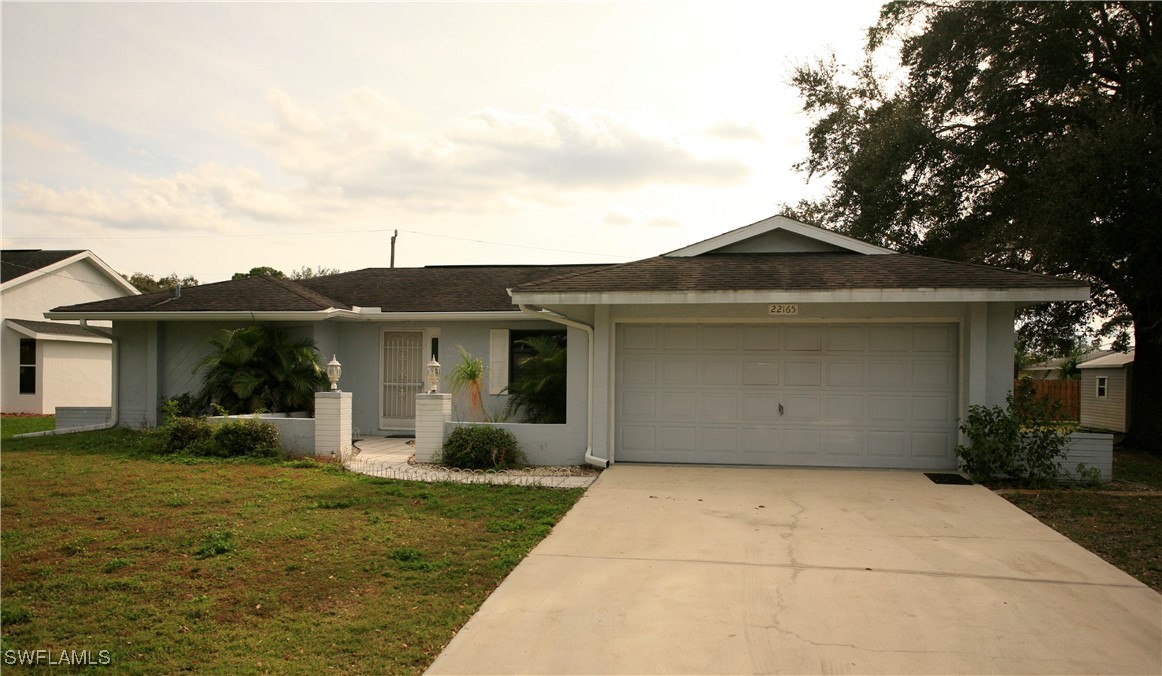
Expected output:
(181, 433)
(481, 447)
(196, 436)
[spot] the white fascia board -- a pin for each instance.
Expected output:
(84, 255)
(779, 223)
(57, 337)
(835, 296)
(312, 316)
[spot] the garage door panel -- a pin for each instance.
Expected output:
(931, 444)
(848, 443)
(845, 373)
(887, 444)
(855, 395)
(639, 370)
(678, 337)
(803, 338)
(718, 407)
(843, 409)
(638, 405)
(761, 338)
(720, 372)
(885, 373)
(932, 374)
(800, 372)
(680, 370)
(679, 406)
(759, 407)
(800, 407)
(639, 337)
(846, 339)
(887, 410)
(760, 372)
(933, 338)
(888, 338)
(719, 338)
(929, 411)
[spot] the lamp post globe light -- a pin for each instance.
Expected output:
(433, 376)
(334, 370)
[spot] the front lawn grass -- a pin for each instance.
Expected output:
(11, 425)
(246, 566)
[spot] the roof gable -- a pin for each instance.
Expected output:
(20, 266)
(778, 234)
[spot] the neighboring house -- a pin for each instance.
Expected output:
(1050, 369)
(46, 364)
(1105, 392)
(777, 343)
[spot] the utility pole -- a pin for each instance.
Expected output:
(395, 233)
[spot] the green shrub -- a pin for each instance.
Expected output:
(247, 437)
(181, 433)
(1019, 441)
(481, 447)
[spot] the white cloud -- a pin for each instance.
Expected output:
(38, 140)
(367, 150)
(626, 217)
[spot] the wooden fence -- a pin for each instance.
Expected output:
(1067, 392)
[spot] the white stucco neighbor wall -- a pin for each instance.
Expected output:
(75, 374)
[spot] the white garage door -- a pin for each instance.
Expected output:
(836, 395)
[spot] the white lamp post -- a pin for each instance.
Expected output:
(334, 370)
(433, 376)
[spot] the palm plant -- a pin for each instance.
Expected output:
(260, 368)
(468, 375)
(540, 390)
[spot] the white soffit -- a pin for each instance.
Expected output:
(774, 223)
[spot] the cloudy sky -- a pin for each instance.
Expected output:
(209, 138)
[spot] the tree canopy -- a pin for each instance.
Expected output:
(304, 272)
(1017, 134)
(147, 284)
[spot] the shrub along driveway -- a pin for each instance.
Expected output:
(721, 570)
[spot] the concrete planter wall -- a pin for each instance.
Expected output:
(541, 444)
(1093, 449)
(68, 417)
(297, 435)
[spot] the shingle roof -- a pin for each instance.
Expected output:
(432, 289)
(253, 294)
(436, 289)
(16, 263)
(793, 272)
(1110, 361)
(63, 329)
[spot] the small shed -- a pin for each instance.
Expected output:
(1105, 391)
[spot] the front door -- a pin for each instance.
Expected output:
(403, 378)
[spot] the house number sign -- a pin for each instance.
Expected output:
(782, 309)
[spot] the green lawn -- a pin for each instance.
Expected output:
(246, 567)
(11, 425)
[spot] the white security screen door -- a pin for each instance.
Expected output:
(403, 378)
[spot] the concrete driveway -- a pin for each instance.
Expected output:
(745, 570)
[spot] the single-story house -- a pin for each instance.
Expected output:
(1050, 369)
(1105, 391)
(776, 343)
(47, 364)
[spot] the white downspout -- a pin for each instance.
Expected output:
(562, 319)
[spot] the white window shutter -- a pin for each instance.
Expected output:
(497, 360)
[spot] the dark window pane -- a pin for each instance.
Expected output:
(518, 351)
(27, 352)
(28, 380)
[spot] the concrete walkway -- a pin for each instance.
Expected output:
(688, 570)
(389, 458)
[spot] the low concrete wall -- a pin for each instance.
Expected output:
(541, 443)
(68, 417)
(1093, 449)
(296, 435)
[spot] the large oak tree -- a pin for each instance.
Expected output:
(1017, 134)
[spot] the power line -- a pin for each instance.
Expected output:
(325, 233)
